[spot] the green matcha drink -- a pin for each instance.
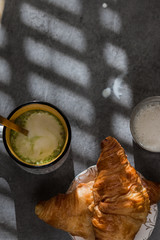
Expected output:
(45, 140)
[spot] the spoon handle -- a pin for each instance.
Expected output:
(13, 126)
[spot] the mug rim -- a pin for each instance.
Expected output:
(47, 164)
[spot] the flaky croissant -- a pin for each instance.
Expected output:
(70, 212)
(112, 207)
(121, 202)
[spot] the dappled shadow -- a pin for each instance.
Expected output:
(8, 228)
(141, 42)
(94, 61)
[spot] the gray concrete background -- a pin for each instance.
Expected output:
(94, 60)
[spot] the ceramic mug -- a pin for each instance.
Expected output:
(53, 163)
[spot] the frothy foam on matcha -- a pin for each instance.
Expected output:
(45, 139)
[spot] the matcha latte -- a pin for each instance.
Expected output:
(45, 140)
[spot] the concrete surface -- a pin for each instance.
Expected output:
(94, 60)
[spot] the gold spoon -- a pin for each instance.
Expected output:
(13, 126)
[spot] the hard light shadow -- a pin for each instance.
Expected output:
(113, 48)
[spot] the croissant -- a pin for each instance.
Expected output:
(70, 212)
(153, 190)
(121, 202)
(112, 207)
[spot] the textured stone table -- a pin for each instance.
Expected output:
(94, 60)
